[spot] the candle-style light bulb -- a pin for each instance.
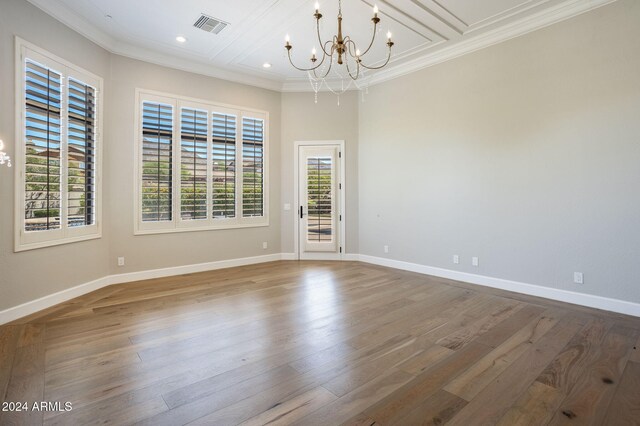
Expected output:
(388, 35)
(357, 52)
(313, 51)
(317, 6)
(375, 18)
(287, 38)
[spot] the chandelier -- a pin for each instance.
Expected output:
(338, 52)
(4, 158)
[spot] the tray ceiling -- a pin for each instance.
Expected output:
(425, 31)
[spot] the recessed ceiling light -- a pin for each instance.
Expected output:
(181, 39)
(266, 65)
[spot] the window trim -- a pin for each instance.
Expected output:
(177, 224)
(38, 239)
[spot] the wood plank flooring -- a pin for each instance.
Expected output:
(319, 343)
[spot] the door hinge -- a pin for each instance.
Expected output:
(339, 154)
(339, 186)
(340, 249)
(340, 218)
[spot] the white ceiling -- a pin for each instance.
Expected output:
(425, 32)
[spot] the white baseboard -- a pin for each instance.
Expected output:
(589, 300)
(192, 269)
(583, 299)
(348, 257)
(45, 302)
(351, 257)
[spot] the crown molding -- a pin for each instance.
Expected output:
(71, 19)
(196, 67)
(528, 24)
(297, 85)
(525, 25)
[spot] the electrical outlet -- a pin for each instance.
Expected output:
(386, 249)
(121, 261)
(265, 245)
(475, 261)
(456, 259)
(578, 278)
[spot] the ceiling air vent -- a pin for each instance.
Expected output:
(210, 24)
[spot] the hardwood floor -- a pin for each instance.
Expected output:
(319, 343)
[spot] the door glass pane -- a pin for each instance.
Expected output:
(319, 199)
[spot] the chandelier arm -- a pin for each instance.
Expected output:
(381, 66)
(373, 39)
(351, 43)
(330, 65)
(325, 56)
(303, 69)
(349, 70)
(320, 38)
(333, 48)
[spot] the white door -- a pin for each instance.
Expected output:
(319, 207)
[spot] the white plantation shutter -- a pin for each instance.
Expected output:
(59, 153)
(252, 167)
(81, 154)
(193, 162)
(214, 177)
(224, 165)
(43, 112)
(157, 161)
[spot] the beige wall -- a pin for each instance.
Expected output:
(145, 252)
(525, 154)
(304, 120)
(29, 275)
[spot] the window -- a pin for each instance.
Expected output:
(58, 151)
(252, 166)
(200, 165)
(157, 156)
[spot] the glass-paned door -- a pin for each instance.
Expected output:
(318, 194)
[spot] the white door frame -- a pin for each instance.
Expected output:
(341, 200)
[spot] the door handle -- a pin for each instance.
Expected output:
(301, 213)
